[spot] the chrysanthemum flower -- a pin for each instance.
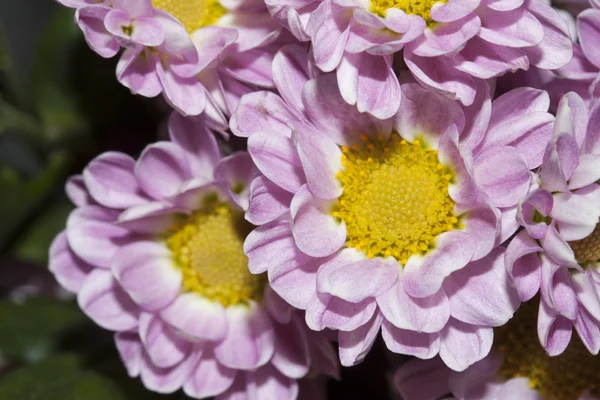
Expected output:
(516, 368)
(198, 53)
(154, 251)
(448, 45)
(558, 252)
(393, 224)
(582, 73)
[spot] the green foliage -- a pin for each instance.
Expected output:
(58, 378)
(32, 331)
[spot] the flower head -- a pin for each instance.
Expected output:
(154, 251)
(557, 252)
(200, 54)
(449, 46)
(394, 224)
(516, 368)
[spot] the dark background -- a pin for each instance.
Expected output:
(60, 105)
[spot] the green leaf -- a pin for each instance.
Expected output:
(13, 118)
(35, 242)
(59, 378)
(31, 331)
(55, 98)
(23, 198)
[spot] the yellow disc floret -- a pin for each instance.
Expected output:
(564, 377)
(395, 200)
(587, 249)
(208, 249)
(421, 8)
(193, 14)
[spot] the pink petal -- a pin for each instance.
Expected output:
(523, 265)
(102, 299)
(267, 201)
(147, 273)
(69, 270)
(277, 158)
(421, 345)
(93, 234)
(503, 173)
(197, 317)
(131, 352)
(111, 181)
(481, 293)
(250, 341)
(264, 241)
(164, 347)
(428, 314)
(424, 276)
(344, 276)
(554, 331)
(193, 136)
(325, 311)
(354, 345)
(162, 169)
(316, 231)
(208, 378)
(424, 112)
(463, 344)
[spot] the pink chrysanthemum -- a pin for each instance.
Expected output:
(558, 252)
(449, 46)
(154, 252)
(200, 54)
(582, 73)
(394, 224)
(517, 368)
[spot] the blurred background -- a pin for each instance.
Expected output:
(60, 106)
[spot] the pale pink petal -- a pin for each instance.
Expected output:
(481, 293)
(421, 345)
(354, 345)
(352, 277)
(316, 231)
(162, 169)
(424, 276)
(148, 274)
(250, 340)
(276, 157)
(209, 377)
(523, 265)
(196, 316)
(164, 347)
(131, 352)
(428, 314)
(463, 344)
(102, 299)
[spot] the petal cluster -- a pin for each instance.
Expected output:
(423, 306)
(555, 253)
(448, 47)
(205, 66)
(114, 256)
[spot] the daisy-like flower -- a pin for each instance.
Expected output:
(448, 45)
(198, 53)
(154, 251)
(558, 252)
(582, 73)
(516, 368)
(393, 224)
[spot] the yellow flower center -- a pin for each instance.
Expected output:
(587, 249)
(564, 377)
(395, 200)
(208, 249)
(193, 14)
(421, 8)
